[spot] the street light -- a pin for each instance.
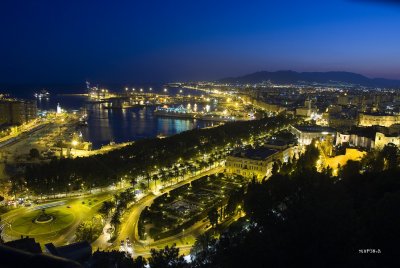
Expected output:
(69, 185)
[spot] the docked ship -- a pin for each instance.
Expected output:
(179, 111)
(182, 112)
(83, 119)
(42, 94)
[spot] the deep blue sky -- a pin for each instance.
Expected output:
(68, 41)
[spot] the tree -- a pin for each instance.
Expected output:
(203, 250)
(17, 184)
(309, 219)
(106, 259)
(139, 262)
(351, 169)
(235, 199)
(89, 230)
(115, 219)
(106, 207)
(155, 178)
(176, 173)
(309, 159)
(275, 167)
(213, 216)
(148, 178)
(167, 257)
(390, 155)
(137, 159)
(34, 153)
(1, 237)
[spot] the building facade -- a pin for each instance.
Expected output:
(257, 163)
(305, 134)
(17, 112)
(356, 140)
(381, 140)
(384, 120)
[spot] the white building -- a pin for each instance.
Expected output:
(305, 134)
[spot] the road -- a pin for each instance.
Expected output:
(129, 227)
(185, 240)
(58, 237)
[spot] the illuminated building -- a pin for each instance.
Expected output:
(269, 107)
(305, 134)
(257, 162)
(17, 112)
(357, 137)
(369, 137)
(384, 120)
(307, 110)
(381, 140)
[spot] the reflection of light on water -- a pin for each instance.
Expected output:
(105, 125)
(207, 108)
(99, 129)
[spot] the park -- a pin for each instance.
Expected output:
(54, 221)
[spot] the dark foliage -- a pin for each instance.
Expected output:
(309, 219)
(140, 157)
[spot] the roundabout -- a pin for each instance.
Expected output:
(54, 221)
(44, 218)
(42, 222)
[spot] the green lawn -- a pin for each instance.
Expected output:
(65, 219)
(26, 225)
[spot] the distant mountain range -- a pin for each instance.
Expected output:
(289, 77)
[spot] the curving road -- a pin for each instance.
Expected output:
(129, 227)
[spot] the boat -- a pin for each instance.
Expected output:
(83, 120)
(42, 94)
(161, 136)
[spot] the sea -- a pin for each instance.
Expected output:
(107, 126)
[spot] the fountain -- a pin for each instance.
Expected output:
(43, 218)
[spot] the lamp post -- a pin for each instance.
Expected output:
(66, 192)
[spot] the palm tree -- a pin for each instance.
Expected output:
(148, 178)
(176, 173)
(163, 178)
(170, 176)
(201, 245)
(154, 178)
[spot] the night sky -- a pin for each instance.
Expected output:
(55, 41)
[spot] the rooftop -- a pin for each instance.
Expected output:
(257, 154)
(79, 251)
(276, 142)
(26, 244)
(368, 132)
(315, 129)
(378, 114)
